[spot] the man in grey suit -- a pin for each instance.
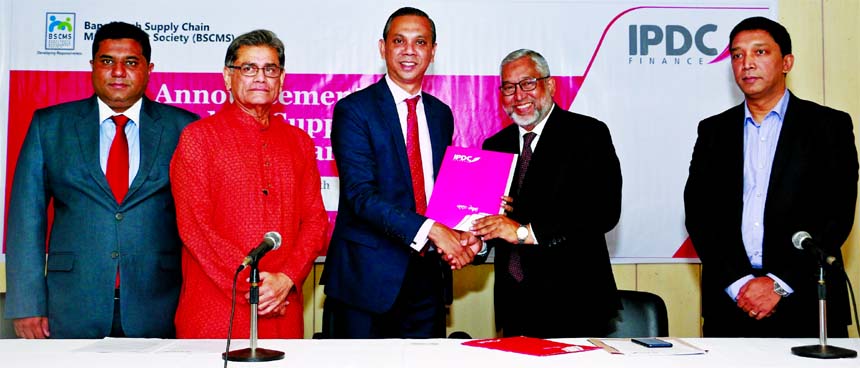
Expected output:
(113, 261)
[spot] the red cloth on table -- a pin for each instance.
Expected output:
(233, 181)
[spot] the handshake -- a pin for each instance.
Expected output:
(458, 248)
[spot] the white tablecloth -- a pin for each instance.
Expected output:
(722, 353)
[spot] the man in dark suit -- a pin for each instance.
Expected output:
(385, 276)
(762, 171)
(565, 196)
(113, 259)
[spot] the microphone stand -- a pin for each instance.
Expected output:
(253, 354)
(822, 350)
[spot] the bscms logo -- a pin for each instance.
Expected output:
(59, 31)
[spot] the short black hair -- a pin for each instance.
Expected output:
(120, 30)
(258, 37)
(776, 30)
(408, 11)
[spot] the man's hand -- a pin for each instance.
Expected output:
(757, 298)
(497, 227)
(32, 327)
(274, 288)
(506, 204)
(474, 243)
(448, 244)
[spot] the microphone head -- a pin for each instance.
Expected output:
(274, 238)
(799, 237)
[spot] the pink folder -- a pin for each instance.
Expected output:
(470, 185)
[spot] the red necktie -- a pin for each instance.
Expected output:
(413, 151)
(117, 165)
(514, 265)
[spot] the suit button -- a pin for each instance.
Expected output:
(118, 216)
(114, 254)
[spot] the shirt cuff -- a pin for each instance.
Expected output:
(784, 285)
(736, 286)
(420, 239)
(484, 249)
(534, 236)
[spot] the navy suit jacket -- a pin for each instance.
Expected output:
(376, 221)
(813, 188)
(571, 196)
(92, 235)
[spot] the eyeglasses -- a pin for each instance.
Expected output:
(526, 85)
(250, 70)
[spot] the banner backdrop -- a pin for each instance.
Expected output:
(651, 70)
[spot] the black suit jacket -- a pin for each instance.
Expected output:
(813, 188)
(571, 196)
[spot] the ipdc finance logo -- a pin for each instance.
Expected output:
(59, 31)
(673, 44)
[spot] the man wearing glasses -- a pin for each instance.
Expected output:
(237, 175)
(565, 196)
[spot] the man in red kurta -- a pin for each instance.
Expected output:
(237, 175)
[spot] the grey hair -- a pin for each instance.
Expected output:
(540, 63)
(259, 37)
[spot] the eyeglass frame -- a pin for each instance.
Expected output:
(520, 84)
(256, 69)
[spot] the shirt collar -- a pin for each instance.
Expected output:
(538, 129)
(399, 94)
(778, 109)
(133, 112)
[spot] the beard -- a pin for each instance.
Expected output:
(535, 117)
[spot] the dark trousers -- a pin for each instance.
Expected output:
(525, 311)
(418, 311)
(116, 327)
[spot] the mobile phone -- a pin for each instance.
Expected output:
(652, 342)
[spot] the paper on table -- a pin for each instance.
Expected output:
(627, 347)
(194, 346)
(115, 345)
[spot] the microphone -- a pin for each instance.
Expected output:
(271, 241)
(803, 241)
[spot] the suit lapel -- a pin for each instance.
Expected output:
(391, 124)
(731, 131)
(150, 130)
(543, 148)
(437, 143)
(87, 129)
(785, 145)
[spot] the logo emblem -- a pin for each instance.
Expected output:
(59, 31)
(466, 158)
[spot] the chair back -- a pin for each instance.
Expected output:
(644, 315)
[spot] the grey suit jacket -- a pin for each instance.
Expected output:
(92, 236)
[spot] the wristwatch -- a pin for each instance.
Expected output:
(522, 234)
(777, 288)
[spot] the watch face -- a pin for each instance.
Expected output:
(777, 288)
(522, 233)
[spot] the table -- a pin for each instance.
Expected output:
(436, 353)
